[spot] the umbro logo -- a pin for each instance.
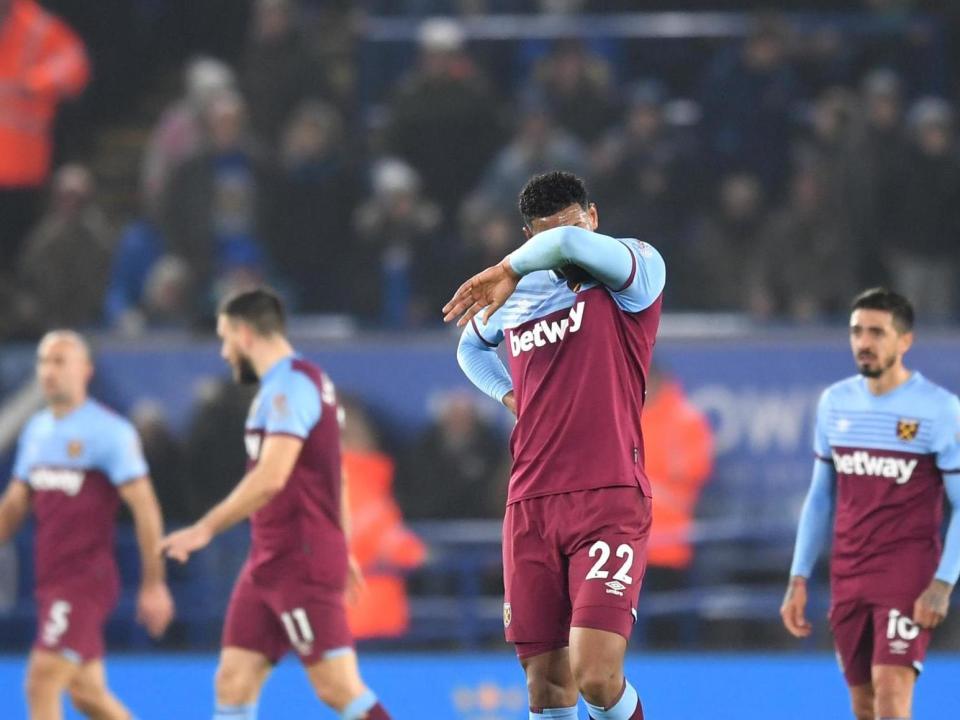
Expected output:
(899, 647)
(615, 587)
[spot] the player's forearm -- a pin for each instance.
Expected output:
(948, 570)
(149, 528)
(483, 366)
(14, 507)
(605, 258)
(253, 492)
(814, 528)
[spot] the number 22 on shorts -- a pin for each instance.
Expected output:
(621, 577)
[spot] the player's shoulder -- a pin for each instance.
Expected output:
(296, 376)
(843, 390)
(936, 395)
(97, 416)
(37, 422)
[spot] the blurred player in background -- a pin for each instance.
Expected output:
(887, 444)
(75, 461)
(580, 312)
(290, 593)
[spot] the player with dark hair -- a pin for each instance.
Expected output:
(887, 446)
(290, 593)
(579, 311)
(76, 460)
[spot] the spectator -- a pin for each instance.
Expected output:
(747, 99)
(807, 263)
(724, 242)
(678, 451)
(576, 86)
(639, 170)
(214, 207)
(457, 468)
(278, 70)
(924, 262)
(380, 542)
(310, 226)
(42, 62)
(164, 457)
(537, 146)
(180, 132)
(444, 109)
(397, 234)
(65, 261)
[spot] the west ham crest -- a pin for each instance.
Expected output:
(907, 429)
(507, 614)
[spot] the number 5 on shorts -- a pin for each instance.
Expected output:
(58, 622)
(623, 550)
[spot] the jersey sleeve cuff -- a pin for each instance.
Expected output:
(284, 433)
(633, 269)
(473, 321)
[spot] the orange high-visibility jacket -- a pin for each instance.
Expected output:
(381, 544)
(41, 62)
(678, 452)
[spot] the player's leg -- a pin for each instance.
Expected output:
(48, 676)
(536, 608)
(861, 701)
(90, 695)
(607, 555)
(237, 683)
(337, 682)
(893, 691)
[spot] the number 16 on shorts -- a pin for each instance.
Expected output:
(600, 569)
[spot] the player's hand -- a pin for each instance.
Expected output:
(489, 290)
(510, 402)
(182, 543)
(931, 607)
(155, 608)
(793, 610)
(355, 582)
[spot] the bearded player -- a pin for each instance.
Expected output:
(887, 447)
(579, 313)
(290, 593)
(75, 462)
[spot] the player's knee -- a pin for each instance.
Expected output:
(337, 692)
(87, 699)
(863, 708)
(598, 685)
(234, 685)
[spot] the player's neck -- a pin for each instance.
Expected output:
(889, 381)
(269, 354)
(62, 409)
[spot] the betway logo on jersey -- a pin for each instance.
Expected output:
(547, 332)
(63, 479)
(860, 462)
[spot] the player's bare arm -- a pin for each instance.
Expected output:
(14, 507)
(793, 610)
(256, 489)
(154, 604)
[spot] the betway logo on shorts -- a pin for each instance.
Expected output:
(860, 462)
(63, 479)
(547, 332)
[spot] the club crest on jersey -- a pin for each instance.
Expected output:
(907, 429)
(75, 449)
(507, 614)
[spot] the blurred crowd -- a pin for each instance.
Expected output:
(777, 174)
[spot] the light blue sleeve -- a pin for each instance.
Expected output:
(821, 440)
(949, 568)
(814, 528)
(21, 464)
(947, 441)
(123, 459)
(479, 361)
(291, 405)
(633, 271)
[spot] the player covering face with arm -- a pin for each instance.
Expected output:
(860, 485)
(75, 461)
(579, 311)
(290, 594)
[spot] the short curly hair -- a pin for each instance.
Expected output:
(549, 193)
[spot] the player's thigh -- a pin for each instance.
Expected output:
(336, 678)
(240, 675)
(89, 693)
(898, 641)
(853, 635)
(608, 558)
(596, 659)
(70, 623)
(536, 607)
(48, 672)
(550, 681)
(893, 690)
